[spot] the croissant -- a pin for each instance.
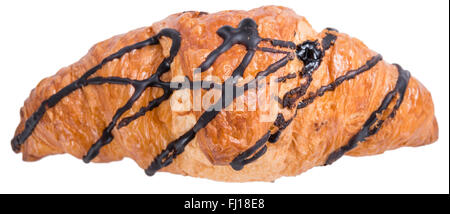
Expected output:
(318, 96)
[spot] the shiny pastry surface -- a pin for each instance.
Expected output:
(147, 95)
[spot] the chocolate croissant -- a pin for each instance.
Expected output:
(276, 99)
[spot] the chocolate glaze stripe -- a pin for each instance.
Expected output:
(242, 159)
(347, 76)
(281, 124)
(33, 120)
(332, 29)
(281, 43)
(367, 130)
(271, 50)
(311, 56)
(150, 106)
(294, 94)
(328, 41)
(284, 78)
(245, 34)
(404, 79)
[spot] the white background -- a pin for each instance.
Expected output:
(39, 37)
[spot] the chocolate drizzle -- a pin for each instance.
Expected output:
(332, 29)
(280, 43)
(289, 76)
(347, 76)
(328, 41)
(311, 55)
(373, 123)
(138, 85)
(242, 159)
(281, 124)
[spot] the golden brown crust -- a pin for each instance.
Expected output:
(75, 123)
